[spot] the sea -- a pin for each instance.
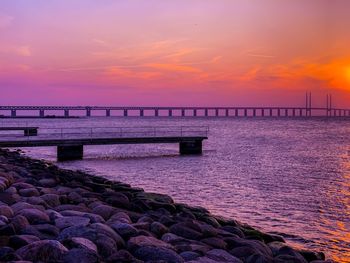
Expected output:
(289, 176)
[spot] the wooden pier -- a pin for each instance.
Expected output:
(70, 141)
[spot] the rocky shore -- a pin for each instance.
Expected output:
(52, 215)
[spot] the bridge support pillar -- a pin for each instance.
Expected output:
(191, 147)
(206, 112)
(88, 112)
(41, 113)
(271, 113)
(183, 113)
(141, 113)
(66, 113)
(236, 112)
(293, 112)
(13, 113)
(108, 113)
(195, 113)
(245, 112)
(286, 112)
(156, 112)
(125, 113)
(170, 113)
(217, 112)
(254, 112)
(301, 112)
(279, 112)
(227, 113)
(262, 112)
(70, 152)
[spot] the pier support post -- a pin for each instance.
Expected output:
(254, 112)
(301, 112)
(217, 112)
(141, 113)
(293, 112)
(271, 113)
(13, 113)
(191, 147)
(279, 112)
(236, 112)
(125, 113)
(88, 112)
(108, 113)
(66, 113)
(227, 113)
(195, 113)
(70, 152)
(262, 112)
(286, 112)
(206, 112)
(156, 112)
(41, 113)
(245, 112)
(170, 113)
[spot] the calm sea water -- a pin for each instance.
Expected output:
(288, 176)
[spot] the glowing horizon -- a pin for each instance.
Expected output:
(173, 53)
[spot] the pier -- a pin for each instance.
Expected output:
(70, 141)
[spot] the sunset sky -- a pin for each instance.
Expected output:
(165, 52)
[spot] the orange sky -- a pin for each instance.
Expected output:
(185, 52)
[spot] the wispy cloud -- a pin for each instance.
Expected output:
(5, 21)
(23, 51)
(260, 55)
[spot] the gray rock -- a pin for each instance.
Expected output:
(78, 255)
(52, 200)
(183, 230)
(125, 230)
(158, 253)
(158, 229)
(17, 207)
(7, 211)
(122, 256)
(8, 254)
(19, 241)
(93, 218)
(79, 208)
(146, 241)
(34, 216)
(44, 250)
(48, 182)
(108, 231)
(68, 221)
(105, 211)
(28, 192)
(215, 242)
(189, 255)
(79, 242)
(222, 255)
(19, 222)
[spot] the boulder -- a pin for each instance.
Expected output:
(44, 250)
(105, 211)
(52, 200)
(19, 222)
(28, 192)
(222, 255)
(34, 216)
(183, 230)
(124, 230)
(142, 241)
(158, 254)
(79, 242)
(158, 229)
(19, 241)
(8, 254)
(122, 256)
(7, 211)
(78, 255)
(68, 221)
(48, 182)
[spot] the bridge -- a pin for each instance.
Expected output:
(70, 141)
(306, 111)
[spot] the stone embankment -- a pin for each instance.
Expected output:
(52, 215)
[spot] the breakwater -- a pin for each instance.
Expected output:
(56, 215)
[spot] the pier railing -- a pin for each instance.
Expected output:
(108, 132)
